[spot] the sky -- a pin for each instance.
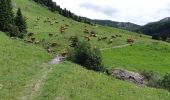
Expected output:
(136, 11)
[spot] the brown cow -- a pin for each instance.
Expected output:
(130, 40)
(54, 44)
(49, 50)
(87, 37)
(32, 39)
(37, 42)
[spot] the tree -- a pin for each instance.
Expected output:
(166, 82)
(86, 56)
(6, 15)
(20, 22)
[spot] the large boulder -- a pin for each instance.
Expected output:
(128, 76)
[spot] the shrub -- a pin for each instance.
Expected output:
(165, 82)
(86, 56)
(153, 79)
(13, 30)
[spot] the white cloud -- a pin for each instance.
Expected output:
(136, 11)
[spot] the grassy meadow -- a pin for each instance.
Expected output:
(21, 63)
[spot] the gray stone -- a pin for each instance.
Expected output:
(128, 76)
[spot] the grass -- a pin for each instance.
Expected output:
(153, 56)
(33, 11)
(22, 63)
(68, 81)
(19, 63)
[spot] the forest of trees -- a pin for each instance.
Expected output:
(64, 12)
(158, 30)
(14, 26)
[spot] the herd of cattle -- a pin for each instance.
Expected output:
(88, 35)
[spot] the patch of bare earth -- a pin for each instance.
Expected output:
(32, 89)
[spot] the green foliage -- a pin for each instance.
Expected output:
(152, 78)
(13, 30)
(74, 41)
(20, 21)
(86, 56)
(165, 82)
(6, 14)
(158, 30)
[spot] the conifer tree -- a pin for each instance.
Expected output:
(20, 22)
(6, 15)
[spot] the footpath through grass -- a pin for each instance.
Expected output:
(19, 63)
(152, 56)
(68, 81)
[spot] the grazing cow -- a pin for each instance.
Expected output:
(49, 50)
(93, 34)
(64, 54)
(54, 44)
(37, 42)
(113, 36)
(51, 24)
(99, 38)
(29, 41)
(50, 34)
(104, 38)
(130, 40)
(87, 38)
(32, 39)
(110, 41)
(62, 29)
(86, 31)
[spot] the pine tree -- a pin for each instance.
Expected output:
(20, 22)
(6, 15)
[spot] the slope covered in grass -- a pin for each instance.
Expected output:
(152, 56)
(22, 63)
(32, 11)
(68, 81)
(19, 62)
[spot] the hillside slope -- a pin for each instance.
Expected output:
(41, 29)
(68, 81)
(122, 25)
(20, 62)
(23, 63)
(159, 29)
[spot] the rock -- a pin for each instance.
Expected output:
(128, 76)
(56, 60)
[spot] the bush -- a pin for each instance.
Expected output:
(13, 30)
(153, 79)
(165, 82)
(86, 56)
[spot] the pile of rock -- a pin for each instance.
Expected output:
(128, 76)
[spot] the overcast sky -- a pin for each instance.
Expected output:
(136, 11)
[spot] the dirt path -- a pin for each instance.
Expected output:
(32, 90)
(120, 46)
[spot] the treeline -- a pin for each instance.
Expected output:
(14, 26)
(64, 12)
(158, 30)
